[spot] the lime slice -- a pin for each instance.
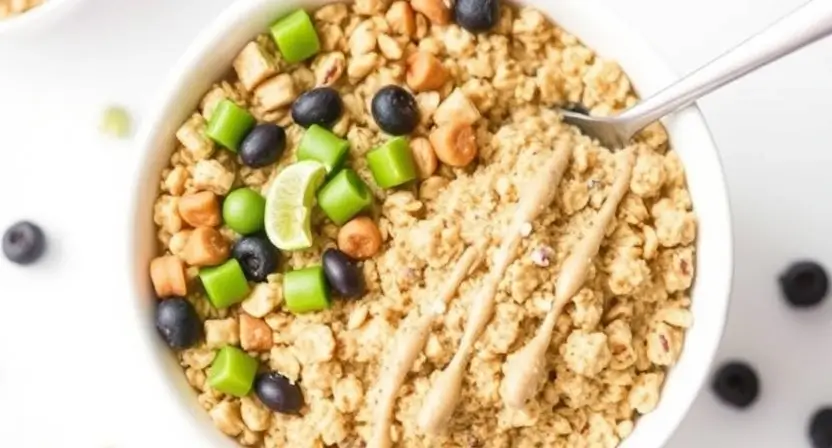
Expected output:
(289, 205)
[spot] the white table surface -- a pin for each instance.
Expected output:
(68, 373)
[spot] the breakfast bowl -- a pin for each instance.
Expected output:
(632, 345)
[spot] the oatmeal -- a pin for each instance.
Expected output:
(377, 231)
(10, 8)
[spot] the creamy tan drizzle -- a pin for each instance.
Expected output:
(442, 398)
(524, 369)
(410, 341)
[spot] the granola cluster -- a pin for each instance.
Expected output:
(613, 343)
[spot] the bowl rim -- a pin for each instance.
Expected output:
(691, 117)
(35, 17)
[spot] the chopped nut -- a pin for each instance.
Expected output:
(253, 65)
(221, 332)
(262, 300)
(255, 335)
(431, 187)
(210, 175)
(525, 229)
(329, 68)
(226, 416)
(363, 39)
(455, 143)
(200, 209)
(389, 47)
(205, 247)
(332, 13)
(175, 181)
(456, 107)
(359, 238)
(255, 416)
(166, 213)
(360, 66)
(425, 72)
(178, 241)
(276, 93)
(435, 10)
(423, 155)
(193, 138)
(168, 277)
(401, 18)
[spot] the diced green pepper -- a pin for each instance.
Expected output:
(392, 163)
(225, 284)
(229, 125)
(296, 37)
(306, 290)
(232, 372)
(321, 145)
(344, 196)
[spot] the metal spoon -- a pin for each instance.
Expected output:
(801, 27)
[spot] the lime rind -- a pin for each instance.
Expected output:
(289, 203)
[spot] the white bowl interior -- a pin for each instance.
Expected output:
(209, 58)
(36, 19)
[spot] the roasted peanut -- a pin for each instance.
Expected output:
(454, 143)
(168, 277)
(205, 247)
(435, 10)
(200, 209)
(424, 157)
(401, 18)
(425, 72)
(359, 238)
(255, 335)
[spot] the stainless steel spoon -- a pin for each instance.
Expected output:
(801, 27)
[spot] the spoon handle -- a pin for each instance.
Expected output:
(806, 24)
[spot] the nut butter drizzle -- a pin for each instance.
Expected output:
(442, 398)
(524, 369)
(410, 341)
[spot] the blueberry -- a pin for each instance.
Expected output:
(737, 384)
(23, 243)
(257, 256)
(178, 323)
(395, 110)
(820, 428)
(263, 145)
(278, 393)
(477, 15)
(343, 274)
(321, 106)
(804, 284)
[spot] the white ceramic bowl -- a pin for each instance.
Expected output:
(36, 19)
(210, 57)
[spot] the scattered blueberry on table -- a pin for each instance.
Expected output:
(395, 111)
(820, 428)
(263, 145)
(344, 275)
(804, 284)
(321, 106)
(178, 323)
(477, 15)
(23, 243)
(257, 256)
(736, 383)
(277, 393)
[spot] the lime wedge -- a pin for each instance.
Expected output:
(289, 204)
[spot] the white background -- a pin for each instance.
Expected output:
(69, 375)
